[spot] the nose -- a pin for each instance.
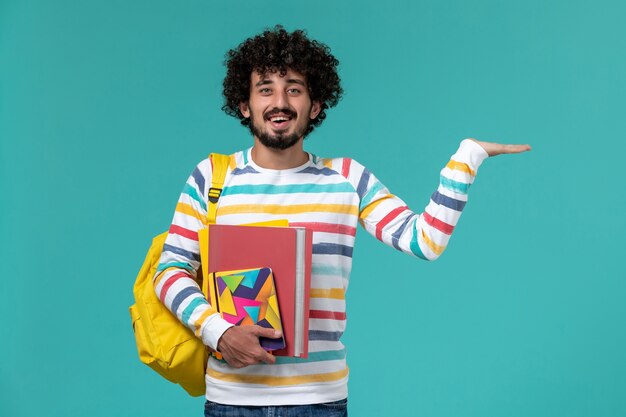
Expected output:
(281, 100)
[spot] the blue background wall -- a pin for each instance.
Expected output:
(106, 106)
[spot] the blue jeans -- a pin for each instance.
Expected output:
(332, 409)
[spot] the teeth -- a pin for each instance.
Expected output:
(279, 119)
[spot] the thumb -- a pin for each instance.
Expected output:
(271, 333)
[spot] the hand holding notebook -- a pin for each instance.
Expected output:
(240, 346)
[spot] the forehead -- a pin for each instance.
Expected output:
(290, 76)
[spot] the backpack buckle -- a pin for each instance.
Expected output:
(214, 194)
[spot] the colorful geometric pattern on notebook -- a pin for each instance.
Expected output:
(247, 297)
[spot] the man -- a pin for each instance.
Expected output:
(280, 85)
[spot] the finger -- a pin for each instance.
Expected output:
(236, 364)
(270, 333)
(516, 148)
(268, 358)
(494, 149)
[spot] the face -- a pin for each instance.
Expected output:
(280, 108)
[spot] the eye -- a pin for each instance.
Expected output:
(294, 91)
(265, 91)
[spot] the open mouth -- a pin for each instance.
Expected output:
(280, 121)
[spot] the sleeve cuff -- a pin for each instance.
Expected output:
(471, 153)
(212, 329)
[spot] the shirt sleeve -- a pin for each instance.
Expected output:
(175, 280)
(426, 234)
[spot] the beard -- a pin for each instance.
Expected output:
(280, 140)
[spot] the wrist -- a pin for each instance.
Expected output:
(213, 329)
(471, 153)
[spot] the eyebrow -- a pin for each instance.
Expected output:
(296, 81)
(266, 81)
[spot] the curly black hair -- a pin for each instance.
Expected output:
(278, 50)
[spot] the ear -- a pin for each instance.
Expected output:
(316, 107)
(244, 109)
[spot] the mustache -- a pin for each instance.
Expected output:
(285, 111)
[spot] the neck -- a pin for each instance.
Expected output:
(271, 158)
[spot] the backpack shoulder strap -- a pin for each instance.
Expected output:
(219, 163)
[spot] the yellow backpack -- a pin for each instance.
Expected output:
(163, 342)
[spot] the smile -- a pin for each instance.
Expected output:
(279, 121)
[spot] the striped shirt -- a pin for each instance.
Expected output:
(329, 196)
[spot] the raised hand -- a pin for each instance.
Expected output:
(494, 149)
(239, 345)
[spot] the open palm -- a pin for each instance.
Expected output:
(494, 149)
